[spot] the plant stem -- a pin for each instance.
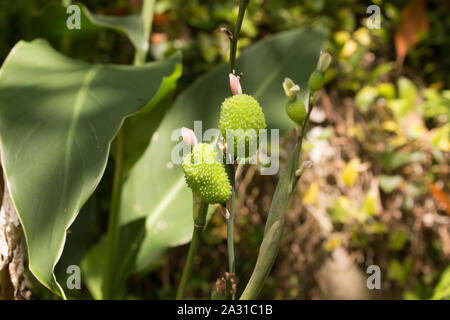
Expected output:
(237, 29)
(230, 167)
(301, 137)
(230, 224)
(200, 210)
(113, 232)
(148, 8)
(112, 237)
(273, 231)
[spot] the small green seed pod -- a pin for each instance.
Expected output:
(241, 118)
(316, 81)
(205, 175)
(296, 111)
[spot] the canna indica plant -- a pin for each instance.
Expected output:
(241, 117)
(213, 182)
(54, 152)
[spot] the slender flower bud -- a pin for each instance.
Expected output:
(290, 89)
(188, 137)
(235, 84)
(324, 61)
(305, 165)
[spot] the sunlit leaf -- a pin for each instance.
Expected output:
(390, 183)
(442, 290)
(365, 97)
(131, 25)
(57, 119)
(310, 196)
(350, 172)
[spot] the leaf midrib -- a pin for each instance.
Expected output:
(78, 106)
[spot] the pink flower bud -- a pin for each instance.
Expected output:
(188, 136)
(235, 84)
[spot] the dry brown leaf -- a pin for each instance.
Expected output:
(441, 197)
(414, 21)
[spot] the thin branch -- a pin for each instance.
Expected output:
(200, 211)
(230, 167)
(237, 29)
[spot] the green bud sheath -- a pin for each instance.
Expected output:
(205, 175)
(241, 118)
(296, 111)
(316, 81)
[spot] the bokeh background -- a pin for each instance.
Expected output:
(379, 190)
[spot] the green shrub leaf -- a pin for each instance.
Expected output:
(58, 117)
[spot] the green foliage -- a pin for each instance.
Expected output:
(350, 172)
(131, 25)
(400, 271)
(64, 137)
(339, 210)
(401, 129)
(442, 289)
(389, 183)
(397, 240)
(437, 104)
(166, 205)
(365, 97)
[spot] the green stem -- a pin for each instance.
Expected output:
(301, 138)
(273, 231)
(200, 212)
(237, 29)
(148, 8)
(112, 237)
(230, 224)
(230, 167)
(113, 232)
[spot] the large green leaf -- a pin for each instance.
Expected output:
(140, 127)
(131, 25)
(155, 188)
(57, 119)
(134, 26)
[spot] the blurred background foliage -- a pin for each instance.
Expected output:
(379, 191)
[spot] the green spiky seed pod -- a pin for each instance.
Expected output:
(316, 80)
(296, 111)
(205, 175)
(241, 118)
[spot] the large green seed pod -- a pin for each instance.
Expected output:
(296, 111)
(205, 175)
(241, 118)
